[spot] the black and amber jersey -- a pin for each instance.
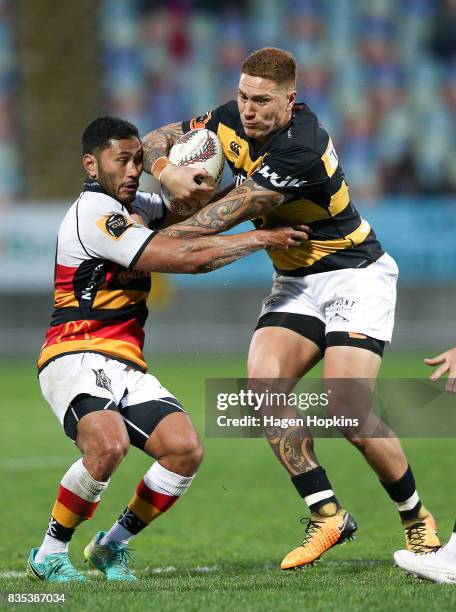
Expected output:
(100, 300)
(300, 161)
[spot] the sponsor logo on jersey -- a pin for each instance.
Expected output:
(87, 292)
(235, 148)
(278, 181)
(102, 380)
(116, 224)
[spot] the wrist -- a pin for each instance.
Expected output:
(261, 237)
(159, 165)
(165, 169)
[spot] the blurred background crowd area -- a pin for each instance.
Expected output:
(380, 74)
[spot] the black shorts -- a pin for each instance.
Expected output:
(314, 329)
(140, 419)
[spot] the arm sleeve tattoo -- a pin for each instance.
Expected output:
(158, 143)
(243, 203)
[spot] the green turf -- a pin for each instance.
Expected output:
(219, 548)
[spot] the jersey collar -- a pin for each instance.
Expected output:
(93, 185)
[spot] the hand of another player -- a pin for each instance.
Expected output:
(186, 191)
(447, 363)
(136, 218)
(282, 238)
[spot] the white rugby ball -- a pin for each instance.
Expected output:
(198, 149)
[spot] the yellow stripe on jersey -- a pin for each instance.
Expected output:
(330, 159)
(106, 300)
(65, 299)
(306, 211)
(117, 348)
(118, 299)
(311, 251)
(236, 150)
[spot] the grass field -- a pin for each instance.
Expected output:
(219, 547)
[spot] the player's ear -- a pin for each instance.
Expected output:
(291, 98)
(90, 164)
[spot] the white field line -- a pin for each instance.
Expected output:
(201, 569)
(41, 462)
(206, 569)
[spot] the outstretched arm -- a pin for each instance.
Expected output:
(196, 255)
(243, 203)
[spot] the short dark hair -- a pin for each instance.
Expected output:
(101, 131)
(273, 64)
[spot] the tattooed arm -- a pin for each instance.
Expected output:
(245, 202)
(179, 180)
(158, 143)
(196, 255)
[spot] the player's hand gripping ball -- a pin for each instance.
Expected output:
(197, 149)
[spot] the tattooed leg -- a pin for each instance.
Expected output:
(293, 447)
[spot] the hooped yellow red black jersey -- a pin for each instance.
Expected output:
(100, 300)
(300, 161)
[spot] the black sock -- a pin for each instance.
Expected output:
(315, 488)
(58, 531)
(404, 495)
(131, 522)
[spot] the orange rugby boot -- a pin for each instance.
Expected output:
(322, 533)
(421, 533)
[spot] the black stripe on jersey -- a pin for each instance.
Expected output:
(334, 228)
(134, 261)
(86, 282)
(135, 311)
(360, 256)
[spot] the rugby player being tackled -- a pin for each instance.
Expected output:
(92, 370)
(333, 296)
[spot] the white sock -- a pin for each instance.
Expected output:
(79, 481)
(117, 534)
(50, 546)
(159, 479)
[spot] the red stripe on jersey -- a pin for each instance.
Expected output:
(75, 503)
(127, 331)
(159, 500)
(64, 276)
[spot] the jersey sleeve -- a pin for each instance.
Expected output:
(151, 208)
(295, 170)
(106, 231)
(210, 120)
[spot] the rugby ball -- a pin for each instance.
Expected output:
(198, 149)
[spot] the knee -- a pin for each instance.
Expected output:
(265, 368)
(186, 457)
(192, 454)
(103, 458)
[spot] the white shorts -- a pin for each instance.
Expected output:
(91, 374)
(359, 300)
